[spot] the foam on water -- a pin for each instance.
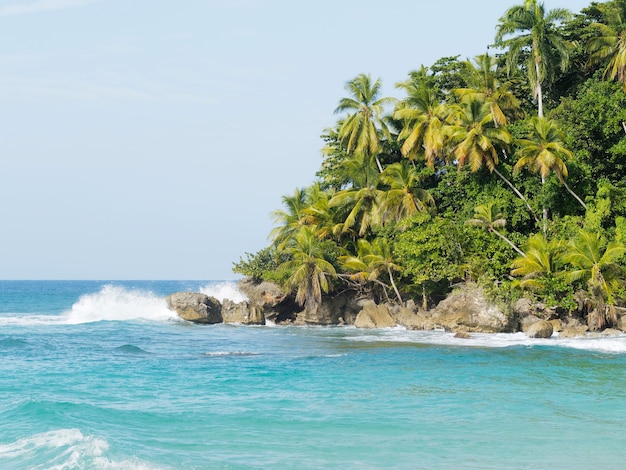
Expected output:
(224, 290)
(616, 344)
(64, 449)
(115, 303)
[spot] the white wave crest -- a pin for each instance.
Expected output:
(115, 303)
(64, 449)
(616, 344)
(224, 290)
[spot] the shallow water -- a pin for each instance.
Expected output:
(102, 375)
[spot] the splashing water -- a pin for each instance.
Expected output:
(115, 303)
(224, 290)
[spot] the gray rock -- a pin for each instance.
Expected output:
(540, 329)
(195, 307)
(339, 309)
(264, 294)
(242, 312)
(573, 331)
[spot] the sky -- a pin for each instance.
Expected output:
(152, 139)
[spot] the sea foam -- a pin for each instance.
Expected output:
(116, 303)
(224, 290)
(65, 449)
(616, 344)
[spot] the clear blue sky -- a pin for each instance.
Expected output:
(151, 139)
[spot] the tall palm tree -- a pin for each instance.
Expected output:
(543, 152)
(308, 270)
(596, 262)
(404, 198)
(474, 138)
(610, 42)
(488, 217)
(538, 264)
(359, 131)
(482, 81)
(423, 115)
(538, 38)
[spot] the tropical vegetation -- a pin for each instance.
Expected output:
(439, 186)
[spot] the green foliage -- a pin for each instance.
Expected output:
(388, 213)
(592, 121)
(260, 266)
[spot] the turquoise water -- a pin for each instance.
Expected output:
(101, 375)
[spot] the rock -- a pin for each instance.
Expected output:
(527, 321)
(557, 325)
(334, 310)
(195, 307)
(242, 313)
(540, 329)
(410, 318)
(524, 307)
(611, 332)
(467, 309)
(462, 335)
(621, 323)
(573, 331)
(374, 316)
(264, 294)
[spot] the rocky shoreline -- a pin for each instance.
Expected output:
(463, 312)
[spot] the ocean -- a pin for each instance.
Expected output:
(101, 375)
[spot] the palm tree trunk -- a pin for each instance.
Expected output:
(380, 167)
(508, 241)
(538, 92)
(575, 195)
(393, 284)
(545, 209)
(516, 191)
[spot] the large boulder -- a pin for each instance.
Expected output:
(243, 313)
(540, 329)
(195, 307)
(262, 294)
(466, 309)
(374, 316)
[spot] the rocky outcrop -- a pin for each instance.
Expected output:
(264, 294)
(243, 313)
(374, 316)
(340, 309)
(540, 329)
(195, 307)
(466, 309)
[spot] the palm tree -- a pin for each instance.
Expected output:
(538, 39)
(474, 137)
(482, 81)
(404, 198)
(290, 220)
(372, 260)
(610, 42)
(423, 115)
(308, 270)
(538, 264)
(359, 131)
(360, 202)
(543, 151)
(596, 262)
(488, 217)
